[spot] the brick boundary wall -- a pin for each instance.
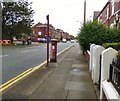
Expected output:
(87, 56)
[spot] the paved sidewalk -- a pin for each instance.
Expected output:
(69, 78)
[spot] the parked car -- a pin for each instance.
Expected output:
(72, 41)
(64, 40)
(42, 40)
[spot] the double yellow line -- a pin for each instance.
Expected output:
(20, 76)
(24, 74)
(15, 79)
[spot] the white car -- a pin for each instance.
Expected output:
(72, 41)
(42, 40)
(64, 40)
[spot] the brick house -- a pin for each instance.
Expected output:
(96, 13)
(60, 33)
(40, 31)
(67, 36)
(64, 35)
(110, 14)
(71, 37)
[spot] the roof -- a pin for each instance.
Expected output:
(103, 8)
(39, 24)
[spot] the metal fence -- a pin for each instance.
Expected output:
(114, 76)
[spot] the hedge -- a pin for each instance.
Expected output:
(113, 45)
(118, 55)
(97, 33)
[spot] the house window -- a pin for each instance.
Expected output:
(100, 18)
(39, 33)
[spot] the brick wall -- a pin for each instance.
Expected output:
(109, 12)
(40, 31)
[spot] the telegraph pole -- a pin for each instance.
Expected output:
(47, 17)
(109, 14)
(84, 18)
(84, 12)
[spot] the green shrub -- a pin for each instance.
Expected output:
(118, 56)
(89, 34)
(97, 33)
(113, 45)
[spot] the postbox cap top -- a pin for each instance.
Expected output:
(54, 40)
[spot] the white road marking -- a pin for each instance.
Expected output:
(28, 50)
(4, 55)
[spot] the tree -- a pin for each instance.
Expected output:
(17, 18)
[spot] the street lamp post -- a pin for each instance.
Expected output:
(47, 17)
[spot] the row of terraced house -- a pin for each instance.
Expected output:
(40, 31)
(110, 14)
(104, 74)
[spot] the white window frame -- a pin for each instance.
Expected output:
(107, 13)
(39, 33)
(113, 6)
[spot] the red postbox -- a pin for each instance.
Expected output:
(53, 50)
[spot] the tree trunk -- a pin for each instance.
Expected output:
(11, 39)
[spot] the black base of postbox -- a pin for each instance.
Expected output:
(53, 60)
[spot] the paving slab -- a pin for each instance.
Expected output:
(81, 95)
(79, 86)
(80, 65)
(50, 93)
(81, 73)
(81, 78)
(60, 77)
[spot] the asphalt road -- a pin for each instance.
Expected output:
(16, 60)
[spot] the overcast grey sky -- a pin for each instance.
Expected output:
(65, 14)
